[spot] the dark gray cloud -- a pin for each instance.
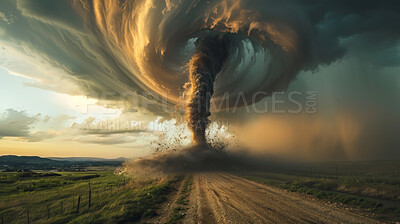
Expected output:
(106, 48)
(16, 123)
(19, 124)
(351, 46)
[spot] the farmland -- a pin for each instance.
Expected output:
(362, 192)
(63, 197)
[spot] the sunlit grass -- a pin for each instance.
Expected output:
(114, 198)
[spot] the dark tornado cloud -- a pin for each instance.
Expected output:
(210, 54)
(145, 46)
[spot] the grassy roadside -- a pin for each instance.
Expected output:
(321, 190)
(114, 198)
(179, 211)
(136, 205)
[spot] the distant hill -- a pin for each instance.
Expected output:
(13, 163)
(93, 159)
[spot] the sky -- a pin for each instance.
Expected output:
(110, 79)
(39, 122)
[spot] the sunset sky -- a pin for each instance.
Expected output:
(65, 64)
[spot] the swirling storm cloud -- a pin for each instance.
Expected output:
(152, 42)
(145, 46)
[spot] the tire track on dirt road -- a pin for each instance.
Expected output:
(225, 198)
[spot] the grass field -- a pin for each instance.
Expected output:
(54, 197)
(373, 187)
(180, 209)
(101, 196)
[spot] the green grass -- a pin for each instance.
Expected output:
(112, 200)
(144, 203)
(334, 190)
(177, 215)
(384, 189)
(15, 183)
(179, 211)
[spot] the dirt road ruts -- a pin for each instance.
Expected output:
(225, 198)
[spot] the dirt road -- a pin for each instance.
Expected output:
(225, 198)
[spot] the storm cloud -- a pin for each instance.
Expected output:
(144, 47)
